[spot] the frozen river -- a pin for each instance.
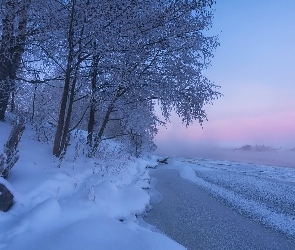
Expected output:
(225, 205)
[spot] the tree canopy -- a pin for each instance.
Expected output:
(103, 66)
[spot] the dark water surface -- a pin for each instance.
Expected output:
(193, 218)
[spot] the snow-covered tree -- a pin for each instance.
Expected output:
(159, 56)
(112, 62)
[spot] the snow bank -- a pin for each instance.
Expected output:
(95, 233)
(84, 204)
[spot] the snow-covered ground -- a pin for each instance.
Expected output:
(263, 193)
(95, 203)
(84, 204)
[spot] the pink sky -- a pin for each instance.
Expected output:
(254, 66)
(249, 113)
(275, 130)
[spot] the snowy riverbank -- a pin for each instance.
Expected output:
(201, 222)
(84, 204)
(88, 203)
(262, 193)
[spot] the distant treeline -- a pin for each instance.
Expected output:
(261, 148)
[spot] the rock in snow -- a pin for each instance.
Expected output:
(6, 198)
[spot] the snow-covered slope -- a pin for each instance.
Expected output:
(84, 204)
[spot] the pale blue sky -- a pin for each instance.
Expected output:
(254, 65)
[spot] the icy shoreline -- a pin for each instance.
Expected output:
(193, 217)
(262, 193)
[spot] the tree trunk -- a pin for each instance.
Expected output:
(33, 104)
(65, 111)
(57, 147)
(65, 136)
(5, 87)
(91, 121)
(98, 137)
(106, 119)
(12, 101)
(11, 49)
(10, 148)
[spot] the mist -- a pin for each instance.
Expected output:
(214, 151)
